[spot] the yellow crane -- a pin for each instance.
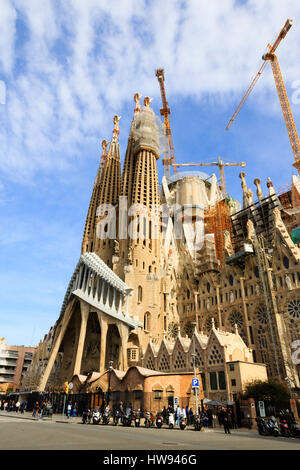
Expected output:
(281, 90)
(169, 158)
(220, 164)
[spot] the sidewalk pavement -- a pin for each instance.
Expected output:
(59, 418)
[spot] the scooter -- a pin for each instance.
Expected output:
(284, 429)
(137, 420)
(295, 429)
(116, 418)
(127, 418)
(159, 420)
(182, 422)
(96, 417)
(272, 426)
(86, 417)
(198, 423)
(147, 420)
(105, 417)
(171, 421)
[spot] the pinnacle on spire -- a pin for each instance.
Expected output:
(136, 99)
(116, 130)
(270, 186)
(147, 101)
(259, 193)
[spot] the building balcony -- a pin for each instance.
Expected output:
(7, 372)
(8, 362)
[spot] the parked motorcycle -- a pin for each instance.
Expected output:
(137, 419)
(105, 417)
(272, 426)
(284, 429)
(147, 422)
(159, 420)
(117, 417)
(86, 416)
(127, 418)
(295, 429)
(96, 417)
(198, 423)
(171, 420)
(182, 422)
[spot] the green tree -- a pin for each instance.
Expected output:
(269, 390)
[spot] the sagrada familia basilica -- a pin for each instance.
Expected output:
(177, 271)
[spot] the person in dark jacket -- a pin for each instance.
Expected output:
(225, 421)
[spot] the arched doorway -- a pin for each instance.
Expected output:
(91, 351)
(113, 347)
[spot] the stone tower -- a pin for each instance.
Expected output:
(90, 224)
(139, 263)
(101, 225)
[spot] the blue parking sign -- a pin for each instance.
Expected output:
(195, 382)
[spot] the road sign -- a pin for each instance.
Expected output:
(261, 407)
(195, 382)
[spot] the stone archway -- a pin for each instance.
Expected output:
(68, 345)
(113, 347)
(91, 351)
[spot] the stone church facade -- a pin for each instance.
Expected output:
(162, 266)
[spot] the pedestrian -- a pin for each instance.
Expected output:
(75, 409)
(69, 409)
(191, 416)
(23, 406)
(17, 406)
(178, 413)
(225, 422)
(35, 409)
(187, 414)
(165, 415)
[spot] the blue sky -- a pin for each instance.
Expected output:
(66, 68)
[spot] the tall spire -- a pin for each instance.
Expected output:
(90, 224)
(108, 195)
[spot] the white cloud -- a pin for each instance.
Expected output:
(80, 63)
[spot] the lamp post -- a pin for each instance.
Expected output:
(196, 389)
(109, 378)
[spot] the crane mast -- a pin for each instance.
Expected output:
(169, 158)
(282, 94)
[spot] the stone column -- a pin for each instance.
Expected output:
(242, 279)
(84, 319)
(65, 322)
(104, 328)
(123, 330)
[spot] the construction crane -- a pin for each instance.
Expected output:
(283, 98)
(220, 164)
(169, 158)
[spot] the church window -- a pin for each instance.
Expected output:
(236, 318)
(140, 294)
(262, 315)
(222, 381)
(147, 321)
(208, 287)
(286, 262)
(293, 308)
(231, 280)
(213, 381)
(256, 271)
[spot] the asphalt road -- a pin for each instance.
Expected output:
(24, 434)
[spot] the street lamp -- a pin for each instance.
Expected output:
(110, 368)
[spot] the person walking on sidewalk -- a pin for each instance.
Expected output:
(225, 421)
